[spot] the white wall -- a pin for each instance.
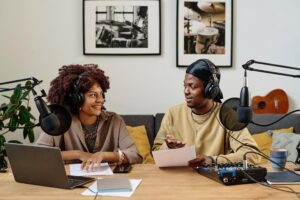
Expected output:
(39, 36)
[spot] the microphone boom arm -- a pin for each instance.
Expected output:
(250, 62)
(35, 82)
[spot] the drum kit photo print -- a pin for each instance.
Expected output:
(204, 28)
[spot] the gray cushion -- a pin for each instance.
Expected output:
(287, 141)
(158, 118)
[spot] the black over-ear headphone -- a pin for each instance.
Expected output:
(77, 97)
(212, 89)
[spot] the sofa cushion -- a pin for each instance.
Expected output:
(264, 140)
(138, 120)
(140, 139)
(287, 141)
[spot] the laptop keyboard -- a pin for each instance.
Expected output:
(75, 182)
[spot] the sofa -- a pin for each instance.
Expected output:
(152, 123)
(263, 135)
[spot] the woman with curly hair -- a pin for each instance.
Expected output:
(95, 134)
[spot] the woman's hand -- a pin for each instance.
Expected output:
(173, 143)
(89, 161)
(201, 160)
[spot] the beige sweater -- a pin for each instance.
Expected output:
(206, 133)
(112, 135)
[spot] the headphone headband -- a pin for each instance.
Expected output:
(205, 70)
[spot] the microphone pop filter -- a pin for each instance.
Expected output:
(64, 120)
(229, 115)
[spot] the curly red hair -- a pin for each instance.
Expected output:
(62, 87)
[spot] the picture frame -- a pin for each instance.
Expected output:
(121, 27)
(204, 31)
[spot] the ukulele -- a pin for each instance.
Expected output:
(275, 101)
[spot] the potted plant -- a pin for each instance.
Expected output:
(16, 114)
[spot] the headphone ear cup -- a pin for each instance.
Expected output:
(212, 91)
(80, 99)
(207, 90)
(77, 99)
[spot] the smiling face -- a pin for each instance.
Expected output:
(194, 94)
(93, 103)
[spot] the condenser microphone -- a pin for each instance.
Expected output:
(54, 119)
(244, 111)
(48, 120)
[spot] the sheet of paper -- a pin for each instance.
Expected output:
(99, 169)
(174, 157)
(93, 190)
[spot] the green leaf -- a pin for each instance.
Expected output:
(24, 115)
(2, 140)
(16, 96)
(1, 125)
(3, 106)
(31, 135)
(13, 123)
(25, 133)
(25, 94)
(11, 109)
(28, 131)
(28, 83)
(6, 96)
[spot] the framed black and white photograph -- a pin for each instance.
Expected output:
(121, 27)
(204, 30)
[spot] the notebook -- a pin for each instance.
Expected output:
(283, 177)
(41, 165)
(114, 185)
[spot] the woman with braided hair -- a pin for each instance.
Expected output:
(95, 135)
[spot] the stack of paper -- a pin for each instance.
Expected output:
(98, 169)
(174, 157)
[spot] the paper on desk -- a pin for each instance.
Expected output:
(174, 157)
(99, 169)
(134, 183)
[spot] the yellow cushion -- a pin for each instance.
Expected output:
(264, 140)
(140, 139)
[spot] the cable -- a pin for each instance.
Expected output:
(268, 158)
(273, 187)
(96, 193)
(259, 152)
(222, 157)
(243, 144)
(284, 116)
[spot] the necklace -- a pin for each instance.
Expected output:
(200, 122)
(90, 134)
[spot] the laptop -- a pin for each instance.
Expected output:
(41, 165)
